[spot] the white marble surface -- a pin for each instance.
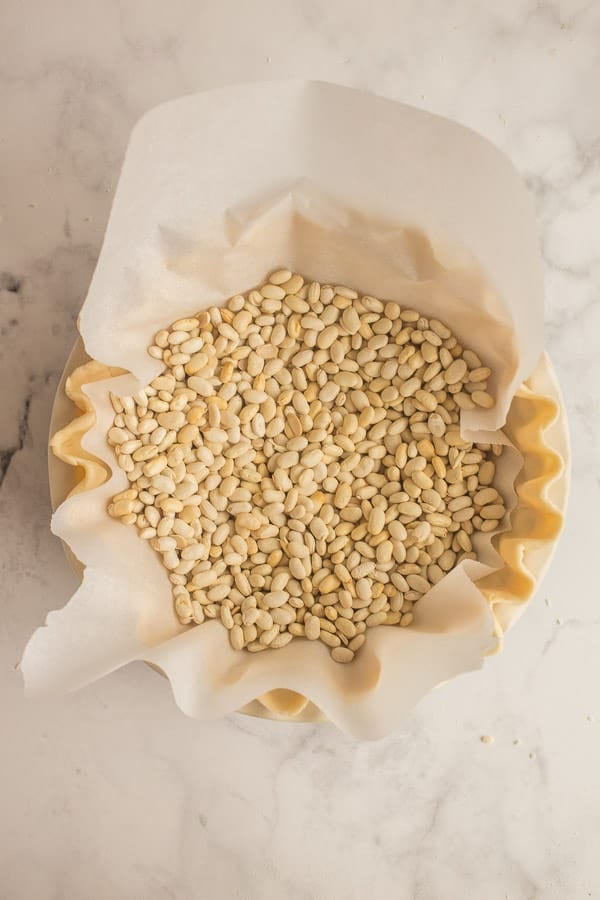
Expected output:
(112, 792)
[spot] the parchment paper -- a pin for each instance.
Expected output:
(216, 190)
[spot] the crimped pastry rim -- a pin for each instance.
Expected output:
(535, 423)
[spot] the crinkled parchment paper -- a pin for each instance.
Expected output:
(216, 190)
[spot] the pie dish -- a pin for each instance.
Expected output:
(536, 425)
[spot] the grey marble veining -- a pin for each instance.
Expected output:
(112, 792)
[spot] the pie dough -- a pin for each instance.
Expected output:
(536, 520)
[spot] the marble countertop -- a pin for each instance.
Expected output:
(112, 792)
